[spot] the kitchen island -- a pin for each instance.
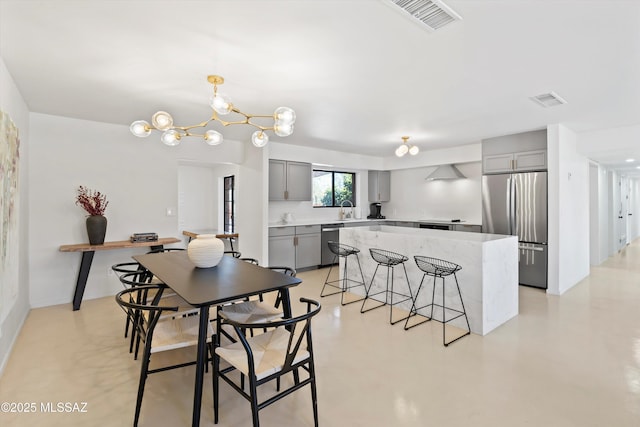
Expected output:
(488, 279)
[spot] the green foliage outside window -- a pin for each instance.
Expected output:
(331, 188)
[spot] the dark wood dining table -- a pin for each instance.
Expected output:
(231, 280)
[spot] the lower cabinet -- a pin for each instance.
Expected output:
(297, 247)
(282, 252)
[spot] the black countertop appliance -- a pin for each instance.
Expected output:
(375, 211)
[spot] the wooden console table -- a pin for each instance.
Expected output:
(88, 250)
(193, 234)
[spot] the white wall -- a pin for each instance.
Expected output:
(200, 196)
(568, 210)
(599, 214)
(634, 202)
(140, 179)
(412, 197)
(252, 195)
(14, 278)
(462, 154)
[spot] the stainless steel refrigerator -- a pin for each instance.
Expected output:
(516, 204)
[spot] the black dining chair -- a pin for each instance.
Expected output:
(285, 347)
(256, 310)
(135, 269)
(167, 298)
(159, 330)
(234, 254)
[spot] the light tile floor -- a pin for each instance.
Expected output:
(572, 360)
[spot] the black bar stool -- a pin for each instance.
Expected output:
(341, 250)
(390, 260)
(438, 268)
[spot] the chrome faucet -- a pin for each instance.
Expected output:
(350, 213)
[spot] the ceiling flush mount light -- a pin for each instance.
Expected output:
(405, 148)
(283, 120)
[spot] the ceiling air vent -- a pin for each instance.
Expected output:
(432, 13)
(550, 99)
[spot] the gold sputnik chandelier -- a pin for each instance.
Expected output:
(283, 120)
(405, 148)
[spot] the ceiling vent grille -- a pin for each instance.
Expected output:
(550, 99)
(432, 13)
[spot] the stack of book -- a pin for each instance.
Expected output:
(144, 237)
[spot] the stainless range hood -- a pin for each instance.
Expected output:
(445, 172)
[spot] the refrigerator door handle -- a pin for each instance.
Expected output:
(531, 248)
(509, 217)
(512, 201)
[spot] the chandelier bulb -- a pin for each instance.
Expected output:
(402, 150)
(213, 137)
(162, 120)
(221, 104)
(414, 150)
(284, 116)
(259, 138)
(283, 129)
(140, 128)
(171, 137)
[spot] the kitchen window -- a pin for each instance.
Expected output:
(331, 188)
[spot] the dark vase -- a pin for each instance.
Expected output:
(96, 229)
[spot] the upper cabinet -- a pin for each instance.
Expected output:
(289, 180)
(515, 153)
(515, 162)
(379, 186)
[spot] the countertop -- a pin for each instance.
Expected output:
(347, 221)
(438, 234)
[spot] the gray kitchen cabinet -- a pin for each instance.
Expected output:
(379, 186)
(282, 251)
(515, 162)
(468, 227)
(289, 180)
(297, 247)
(308, 250)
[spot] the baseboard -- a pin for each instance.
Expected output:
(5, 359)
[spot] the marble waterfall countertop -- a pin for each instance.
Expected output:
(488, 279)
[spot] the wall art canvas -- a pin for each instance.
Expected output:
(9, 202)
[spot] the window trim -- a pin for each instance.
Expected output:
(333, 184)
(232, 221)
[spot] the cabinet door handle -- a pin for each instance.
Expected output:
(515, 164)
(295, 241)
(286, 194)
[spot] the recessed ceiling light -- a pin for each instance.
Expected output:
(637, 167)
(630, 160)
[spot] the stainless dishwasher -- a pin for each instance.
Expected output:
(330, 232)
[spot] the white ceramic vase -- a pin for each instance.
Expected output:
(205, 251)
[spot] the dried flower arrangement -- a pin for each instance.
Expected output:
(91, 201)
